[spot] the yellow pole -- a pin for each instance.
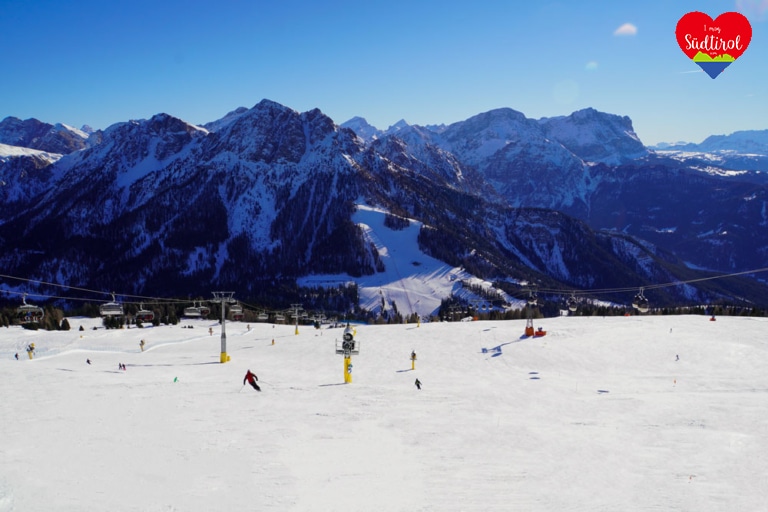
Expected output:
(413, 364)
(347, 369)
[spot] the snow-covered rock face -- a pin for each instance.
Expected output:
(24, 173)
(34, 134)
(480, 137)
(225, 121)
(595, 136)
(362, 128)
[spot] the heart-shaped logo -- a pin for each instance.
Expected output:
(713, 44)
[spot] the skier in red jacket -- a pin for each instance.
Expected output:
(251, 378)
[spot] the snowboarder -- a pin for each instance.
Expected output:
(251, 378)
(418, 383)
(88, 361)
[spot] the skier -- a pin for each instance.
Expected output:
(88, 361)
(251, 378)
(677, 357)
(16, 355)
(418, 383)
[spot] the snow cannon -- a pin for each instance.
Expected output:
(346, 347)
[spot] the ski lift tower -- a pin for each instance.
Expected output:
(346, 347)
(223, 298)
(531, 303)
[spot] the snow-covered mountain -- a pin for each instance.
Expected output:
(595, 136)
(517, 159)
(593, 166)
(744, 142)
(34, 134)
(544, 163)
(225, 121)
(362, 128)
(740, 151)
(268, 195)
(24, 173)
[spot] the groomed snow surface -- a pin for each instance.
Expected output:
(598, 415)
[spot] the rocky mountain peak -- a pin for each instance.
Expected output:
(35, 134)
(595, 136)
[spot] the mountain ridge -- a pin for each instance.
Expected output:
(267, 196)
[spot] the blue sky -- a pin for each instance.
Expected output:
(102, 62)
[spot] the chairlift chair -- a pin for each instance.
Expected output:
(193, 311)
(640, 303)
(236, 311)
(29, 313)
(113, 308)
(144, 315)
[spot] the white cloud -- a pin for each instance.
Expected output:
(591, 65)
(626, 29)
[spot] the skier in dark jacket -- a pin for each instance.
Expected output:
(418, 383)
(251, 379)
